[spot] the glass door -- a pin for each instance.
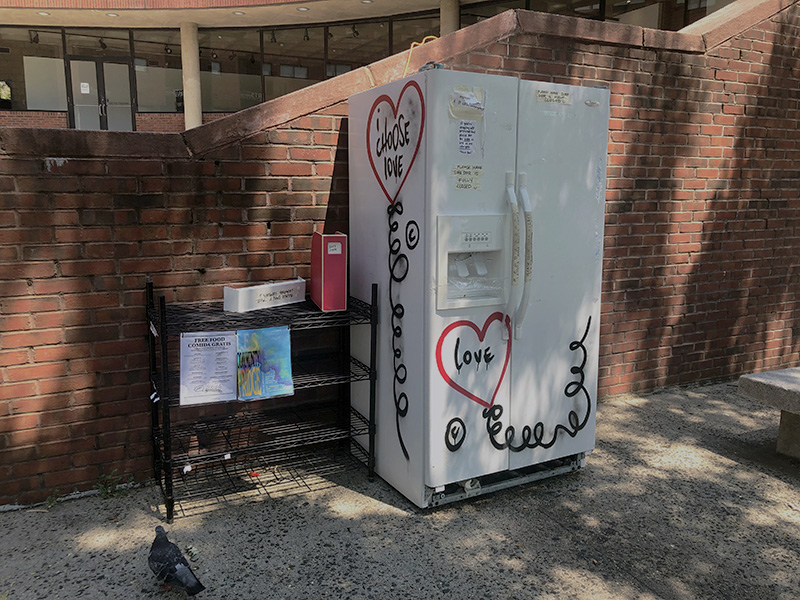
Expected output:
(117, 88)
(101, 94)
(86, 111)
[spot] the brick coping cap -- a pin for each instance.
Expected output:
(733, 19)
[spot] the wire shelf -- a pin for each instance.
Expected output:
(276, 475)
(227, 438)
(306, 374)
(210, 316)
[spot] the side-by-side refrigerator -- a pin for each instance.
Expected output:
(476, 205)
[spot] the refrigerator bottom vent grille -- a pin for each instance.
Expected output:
(504, 479)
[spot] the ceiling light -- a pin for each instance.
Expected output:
(238, 13)
(112, 15)
(214, 54)
(303, 8)
(366, 1)
(42, 13)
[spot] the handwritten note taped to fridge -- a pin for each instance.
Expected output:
(467, 132)
(467, 177)
(553, 97)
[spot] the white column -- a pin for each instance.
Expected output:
(190, 63)
(448, 16)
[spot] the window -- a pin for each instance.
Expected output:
(358, 44)
(293, 59)
(230, 72)
(32, 68)
(157, 64)
(98, 43)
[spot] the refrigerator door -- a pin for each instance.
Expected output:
(471, 147)
(562, 144)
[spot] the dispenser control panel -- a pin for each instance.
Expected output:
(476, 239)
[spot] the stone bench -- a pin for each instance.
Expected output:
(779, 389)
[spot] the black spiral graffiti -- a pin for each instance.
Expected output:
(398, 271)
(533, 437)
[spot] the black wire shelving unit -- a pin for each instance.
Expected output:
(197, 457)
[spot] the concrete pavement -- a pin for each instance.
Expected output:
(683, 498)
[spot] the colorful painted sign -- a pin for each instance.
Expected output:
(264, 365)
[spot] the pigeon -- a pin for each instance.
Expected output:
(170, 566)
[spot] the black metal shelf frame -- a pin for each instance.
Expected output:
(187, 452)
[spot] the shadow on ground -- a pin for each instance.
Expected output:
(683, 498)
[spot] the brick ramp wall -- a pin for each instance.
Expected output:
(701, 255)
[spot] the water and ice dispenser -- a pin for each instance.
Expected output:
(472, 268)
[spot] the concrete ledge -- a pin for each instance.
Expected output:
(789, 435)
(779, 389)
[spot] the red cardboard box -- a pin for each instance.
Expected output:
(329, 271)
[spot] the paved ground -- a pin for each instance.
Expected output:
(683, 498)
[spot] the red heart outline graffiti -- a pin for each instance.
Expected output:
(384, 98)
(481, 333)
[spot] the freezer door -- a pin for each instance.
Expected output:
(561, 162)
(471, 146)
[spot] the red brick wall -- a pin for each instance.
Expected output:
(168, 122)
(33, 118)
(160, 122)
(149, 122)
(701, 261)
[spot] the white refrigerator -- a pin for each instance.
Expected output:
(477, 206)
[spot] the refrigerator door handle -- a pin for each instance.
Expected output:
(526, 290)
(511, 197)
